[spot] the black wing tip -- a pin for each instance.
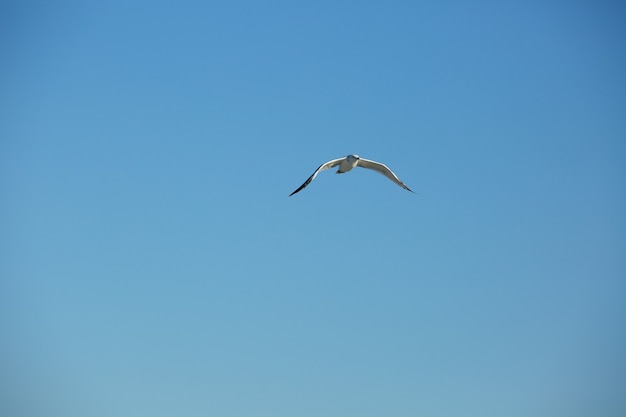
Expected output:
(299, 189)
(407, 188)
(303, 186)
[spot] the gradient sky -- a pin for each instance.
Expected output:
(154, 265)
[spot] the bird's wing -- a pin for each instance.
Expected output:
(382, 168)
(322, 167)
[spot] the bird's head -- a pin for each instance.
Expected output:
(353, 158)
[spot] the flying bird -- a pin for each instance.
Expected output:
(349, 162)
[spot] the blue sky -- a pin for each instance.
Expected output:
(154, 264)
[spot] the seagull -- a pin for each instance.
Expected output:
(349, 162)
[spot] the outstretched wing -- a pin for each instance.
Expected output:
(382, 168)
(322, 167)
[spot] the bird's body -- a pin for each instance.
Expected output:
(347, 164)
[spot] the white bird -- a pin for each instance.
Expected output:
(349, 162)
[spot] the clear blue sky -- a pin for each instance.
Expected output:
(153, 264)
